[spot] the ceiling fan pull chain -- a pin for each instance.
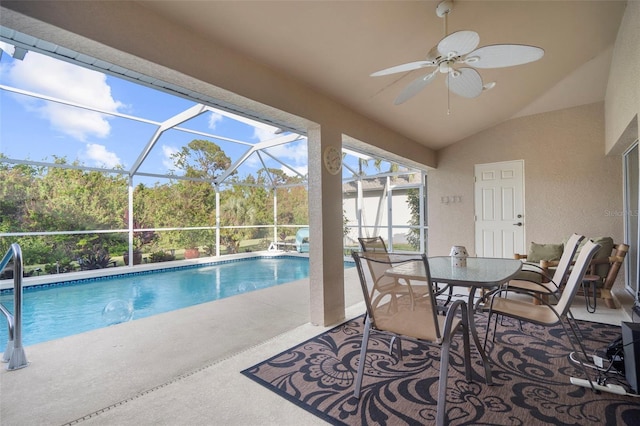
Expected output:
(448, 95)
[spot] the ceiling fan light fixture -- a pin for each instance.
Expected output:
(445, 67)
(489, 86)
(465, 82)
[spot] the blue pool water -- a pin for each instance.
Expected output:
(62, 310)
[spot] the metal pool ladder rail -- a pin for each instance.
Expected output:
(14, 353)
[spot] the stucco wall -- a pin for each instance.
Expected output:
(570, 185)
(622, 101)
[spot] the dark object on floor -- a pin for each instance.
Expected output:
(615, 355)
(631, 345)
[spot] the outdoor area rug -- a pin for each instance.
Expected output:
(531, 372)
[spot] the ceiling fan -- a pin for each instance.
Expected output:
(456, 50)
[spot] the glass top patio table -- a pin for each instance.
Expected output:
(480, 272)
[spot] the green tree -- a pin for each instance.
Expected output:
(15, 184)
(59, 199)
(74, 199)
(292, 199)
(413, 201)
(194, 201)
(202, 159)
(15, 188)
(236, 210)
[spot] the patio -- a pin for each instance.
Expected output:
(182, 367)
(154, 372)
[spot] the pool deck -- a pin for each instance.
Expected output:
(177, 368)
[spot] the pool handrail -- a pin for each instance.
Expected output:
(14, 352)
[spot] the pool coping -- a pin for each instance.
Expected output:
(45, 281)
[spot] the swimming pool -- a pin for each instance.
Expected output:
(53, 311)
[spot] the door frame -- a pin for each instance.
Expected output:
(630, 215)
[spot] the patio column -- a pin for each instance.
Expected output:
(326, 259)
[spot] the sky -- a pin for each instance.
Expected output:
(39, 130)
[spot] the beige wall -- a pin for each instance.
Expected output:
(570, 185)
(622, 101)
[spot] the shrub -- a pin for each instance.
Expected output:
(161, 256)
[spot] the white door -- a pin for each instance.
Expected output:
(499, 209)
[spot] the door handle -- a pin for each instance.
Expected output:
(518, 224)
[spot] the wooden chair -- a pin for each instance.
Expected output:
(409, 317)
(602, 271)
(603, 285)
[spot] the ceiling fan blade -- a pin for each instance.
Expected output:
(503, 55)
(414, 87)
(458, 43)
(465, 82)
(403, 68)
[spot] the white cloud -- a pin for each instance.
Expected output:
(167, 152)
(294, 155)
(303, 170)
(261, 131)
(42, 74)
(76, 123)
(214, 119)
(99, 155)
(264, 133)
(295, 152)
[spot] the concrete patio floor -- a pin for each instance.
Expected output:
(179, 368)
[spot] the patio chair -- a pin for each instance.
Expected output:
(377, 244)
(409, 317)
(535, 279)
(372, 244)
(601, 275)
(384, 284)
(544, 313)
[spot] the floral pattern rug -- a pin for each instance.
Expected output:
(531, 372)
